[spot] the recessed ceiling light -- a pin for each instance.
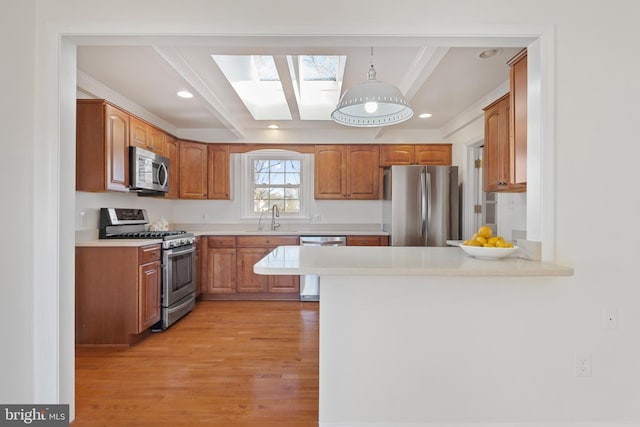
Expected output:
(185, 94)
(425, 115)
(489, 53)
(273, 126)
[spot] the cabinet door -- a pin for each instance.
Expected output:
(172, 152)
(157, 141)
(496, 145)
(363, 172)
(284, 284)
(139, 133)
(248, 281)
(193, 170)
(518, 121)
(218, 186)
(330, 172)
(148, 295)
(221, 271)
(433, 154)
(117, 149)
(396, 155)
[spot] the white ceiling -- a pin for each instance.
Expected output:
(147, 72)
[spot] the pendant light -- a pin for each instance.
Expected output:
(372, 104)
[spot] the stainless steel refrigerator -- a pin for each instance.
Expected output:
(421, 205)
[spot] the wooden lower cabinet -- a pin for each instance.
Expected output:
(218, 265)
(248, 281)
(117, 293)
(149, 282)
(228, 269)
(356, 240)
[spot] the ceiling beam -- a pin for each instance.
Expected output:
(214, 104)
(282, 66)
(421, 69)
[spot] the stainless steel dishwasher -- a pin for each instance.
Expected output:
(310, 284)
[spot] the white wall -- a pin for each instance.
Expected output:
(16, 256)
(593, 161)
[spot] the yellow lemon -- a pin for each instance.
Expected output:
(481, 240)
(485, 232)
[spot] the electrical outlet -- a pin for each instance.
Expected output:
(583, 365)
(610, 318)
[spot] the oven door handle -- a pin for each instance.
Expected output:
(179, 251)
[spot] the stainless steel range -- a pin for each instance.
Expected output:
(178, 259)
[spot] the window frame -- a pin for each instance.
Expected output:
(247, 190)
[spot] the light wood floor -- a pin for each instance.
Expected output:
(227, 363)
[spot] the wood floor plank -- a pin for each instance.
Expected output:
(227, 363)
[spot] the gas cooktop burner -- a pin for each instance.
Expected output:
(145, 234)
(131, 224)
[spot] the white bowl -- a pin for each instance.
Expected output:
(488, 253)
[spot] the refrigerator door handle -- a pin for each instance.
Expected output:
(429, 201)
(423, 205)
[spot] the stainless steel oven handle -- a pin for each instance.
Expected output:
(179, 307)
(182, 250)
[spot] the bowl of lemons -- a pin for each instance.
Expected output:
(483, 244)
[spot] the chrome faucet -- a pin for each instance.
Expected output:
(275, 212)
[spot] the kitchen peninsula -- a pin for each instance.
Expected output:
(394, 319)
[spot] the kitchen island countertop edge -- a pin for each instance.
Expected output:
(398, 261)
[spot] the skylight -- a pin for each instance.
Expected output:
(316, 81)
(255, 79)
(317, 84)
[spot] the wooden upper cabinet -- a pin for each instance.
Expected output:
(518, 119)
(193, 170)
(146, 136)
(157, 141)
(330, 179)
(505, 142)
(363, 174)
(172, 152)
(218, 186)
(433, 154)
(138, 133)
(346, 172)
(102, 147)
(496, 145)
(393, 154)
(421, 154)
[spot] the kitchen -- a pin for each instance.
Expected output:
(224, 168)
(559, 239)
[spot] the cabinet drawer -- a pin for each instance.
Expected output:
(148, 253)
(367, 241)
(221, 241)
(266, 241)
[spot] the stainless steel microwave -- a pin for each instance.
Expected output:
(149, 172)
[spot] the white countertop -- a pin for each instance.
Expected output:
(340, 232)
(122, 243)
(397, 261)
